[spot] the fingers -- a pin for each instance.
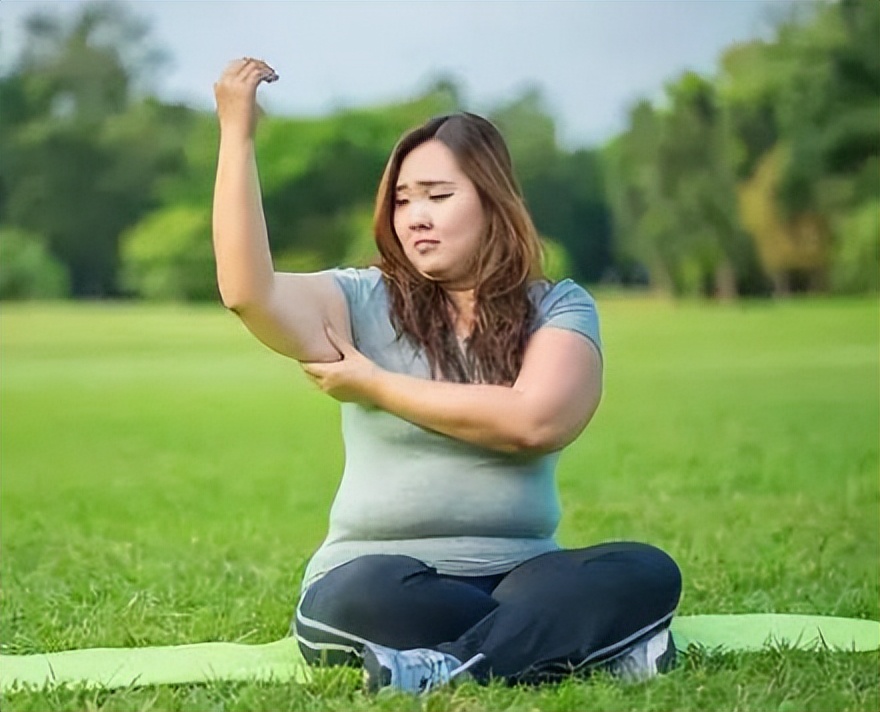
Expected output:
(314, 374)
(247, 71)
(250, 68)
(312, 370)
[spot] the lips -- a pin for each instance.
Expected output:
(425, 243)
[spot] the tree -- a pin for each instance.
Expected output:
(803, 117)
(674, 195)
(564, 191)
(794, 250)
(169, 255)
(27, 270)
(82, 149)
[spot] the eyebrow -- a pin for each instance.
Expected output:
(425, 184)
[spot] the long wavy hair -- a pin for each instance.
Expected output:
(508, 259)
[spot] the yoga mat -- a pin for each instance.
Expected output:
(162, 665)
(756, 631)
(281, 661)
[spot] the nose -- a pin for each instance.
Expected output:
(419, 215)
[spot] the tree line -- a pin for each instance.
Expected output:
(761, 179)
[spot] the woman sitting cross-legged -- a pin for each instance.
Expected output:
(463, 373)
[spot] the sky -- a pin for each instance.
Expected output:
(592, 59)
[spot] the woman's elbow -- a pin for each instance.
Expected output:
(538, 439)
(236, 304)
(232, 302)
(231, 297)
(239, 298)
(549, 434)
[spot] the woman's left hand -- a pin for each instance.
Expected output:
(347, 380)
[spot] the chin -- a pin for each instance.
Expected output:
(431, 276)
(435, 274)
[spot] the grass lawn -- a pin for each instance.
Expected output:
(165, 478)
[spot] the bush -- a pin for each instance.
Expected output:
(300, 261)
(856, 266)
(27, 269)
(557, 262)
(169, 256)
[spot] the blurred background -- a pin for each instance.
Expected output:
(711, 149)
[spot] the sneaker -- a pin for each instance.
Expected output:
(415, 671)
(646, 659)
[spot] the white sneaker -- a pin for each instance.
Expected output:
(416, 671)
(645, 659)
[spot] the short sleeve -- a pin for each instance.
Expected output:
(567, 305)
(357, 285)
(367, 302)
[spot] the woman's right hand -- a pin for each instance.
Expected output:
(235, 93)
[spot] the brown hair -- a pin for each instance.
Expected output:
(509, 257)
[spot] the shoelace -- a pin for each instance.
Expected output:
(432, 668)
(466, 665)
(422, 669)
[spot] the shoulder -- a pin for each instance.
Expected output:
(553, 299)
(565, 305)
(359, 285)
(548, 296)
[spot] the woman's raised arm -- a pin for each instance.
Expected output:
(287, 312)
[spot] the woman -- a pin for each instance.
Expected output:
(463, 374)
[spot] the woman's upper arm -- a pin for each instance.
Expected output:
(292, 321)
(561, 383)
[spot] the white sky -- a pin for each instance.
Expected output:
(591, 58)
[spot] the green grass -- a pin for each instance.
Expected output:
(164, 478)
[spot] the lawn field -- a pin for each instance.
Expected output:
(164, 478)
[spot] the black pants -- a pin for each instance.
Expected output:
(558, 612)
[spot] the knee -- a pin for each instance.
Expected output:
(350, 591)
(374, 572)
(662, 569)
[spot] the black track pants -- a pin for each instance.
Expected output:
(558, 612)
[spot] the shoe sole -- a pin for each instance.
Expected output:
(376, 675)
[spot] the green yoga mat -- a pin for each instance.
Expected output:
(281, 661)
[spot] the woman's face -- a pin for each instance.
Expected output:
(438, 216)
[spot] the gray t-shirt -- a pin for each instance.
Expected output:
(463, 509)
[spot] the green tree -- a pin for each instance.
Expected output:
(564, 191)
(169, 255)
(803, 107)
(27, 270)
(82, 149)
(673, 193)
(858, 250)
(793, 249)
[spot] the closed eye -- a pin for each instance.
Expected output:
(400, 201)
(443, 196)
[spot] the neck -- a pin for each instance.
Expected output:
(464, 302)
